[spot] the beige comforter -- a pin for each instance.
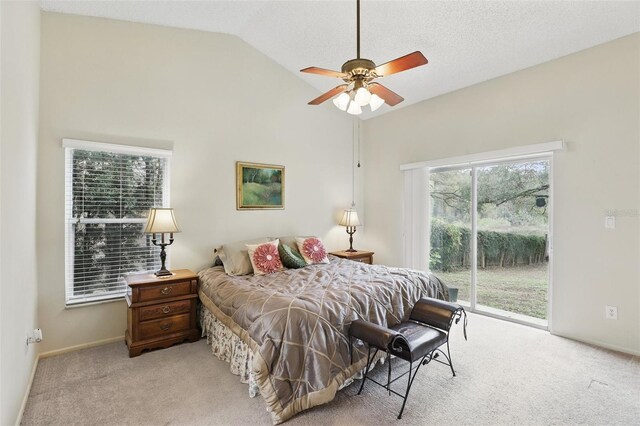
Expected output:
(297, 321)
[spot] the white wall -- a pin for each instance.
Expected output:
(591, 100)
(20, 56)
(1, 280)
(213, 99)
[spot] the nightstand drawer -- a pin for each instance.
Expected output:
(165, 291)
(159, 327)
(164, 310)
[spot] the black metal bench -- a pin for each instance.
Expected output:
(418, 339)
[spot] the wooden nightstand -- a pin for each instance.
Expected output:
(356, 256)
(162, 311)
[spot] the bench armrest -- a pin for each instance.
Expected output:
(436, 313)
(373, 334)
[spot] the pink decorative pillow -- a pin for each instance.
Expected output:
(265, 258)
(312, 250)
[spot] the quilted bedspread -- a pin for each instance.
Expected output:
(296, 322)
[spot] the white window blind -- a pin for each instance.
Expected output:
(109, 190)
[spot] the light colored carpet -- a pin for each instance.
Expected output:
(507, 374)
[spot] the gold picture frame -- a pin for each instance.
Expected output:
(259, 186)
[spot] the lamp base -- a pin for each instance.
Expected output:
(351, 230)
(163, 273)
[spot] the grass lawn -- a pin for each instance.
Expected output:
(254, 194)
(520, 289)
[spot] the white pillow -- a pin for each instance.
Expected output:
(235, 258)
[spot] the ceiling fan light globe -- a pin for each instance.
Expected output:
(362, 96)
(354, 108)
(375, 102)
(342, 101)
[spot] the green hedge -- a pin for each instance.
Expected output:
(451, 247)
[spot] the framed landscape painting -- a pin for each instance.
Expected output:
(259, 186)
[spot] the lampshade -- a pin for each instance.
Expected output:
(350, 218)
(354, 108)
(375, 102)
(362, 96)
(161, 221)
(342, 101)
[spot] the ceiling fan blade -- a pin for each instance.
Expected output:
(391, 98)
(403, 63)
(330, 94)
(322, 71)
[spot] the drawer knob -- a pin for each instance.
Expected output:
(166, 310)
(166, 290)
(165, 327)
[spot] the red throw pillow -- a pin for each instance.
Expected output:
(312, 250)
(265, 258)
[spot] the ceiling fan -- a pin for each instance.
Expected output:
(359, 88)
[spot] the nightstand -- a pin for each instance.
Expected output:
(356, 256)
(162, 311)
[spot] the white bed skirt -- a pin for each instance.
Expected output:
(229, 348)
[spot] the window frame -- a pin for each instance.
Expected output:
(69, 146)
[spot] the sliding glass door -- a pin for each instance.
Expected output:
(490, 236)
(450, 253)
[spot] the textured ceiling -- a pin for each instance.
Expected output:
(465, 42)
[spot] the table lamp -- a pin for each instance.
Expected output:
(162, 221)
(350, 220)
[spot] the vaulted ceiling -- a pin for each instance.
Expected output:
(465, 42)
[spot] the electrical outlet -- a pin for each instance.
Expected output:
(35, 337)
(611, 312)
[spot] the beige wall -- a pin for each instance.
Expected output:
(215, 100)
(591, 101)
(212, 98)
(20, 54)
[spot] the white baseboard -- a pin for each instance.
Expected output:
(597, 343)
(27, 391)
(82, 346)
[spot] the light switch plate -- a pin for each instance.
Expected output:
(610, 222)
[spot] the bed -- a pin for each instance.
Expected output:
(286, 333)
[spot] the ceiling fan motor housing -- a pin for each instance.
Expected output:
(359, 69)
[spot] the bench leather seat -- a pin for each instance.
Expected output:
(421, 340)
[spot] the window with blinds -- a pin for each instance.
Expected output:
(109, 190)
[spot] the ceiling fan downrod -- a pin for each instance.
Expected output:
(358, 28)
(358, 70)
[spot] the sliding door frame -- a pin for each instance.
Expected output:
(473, 289)
(473, 167)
